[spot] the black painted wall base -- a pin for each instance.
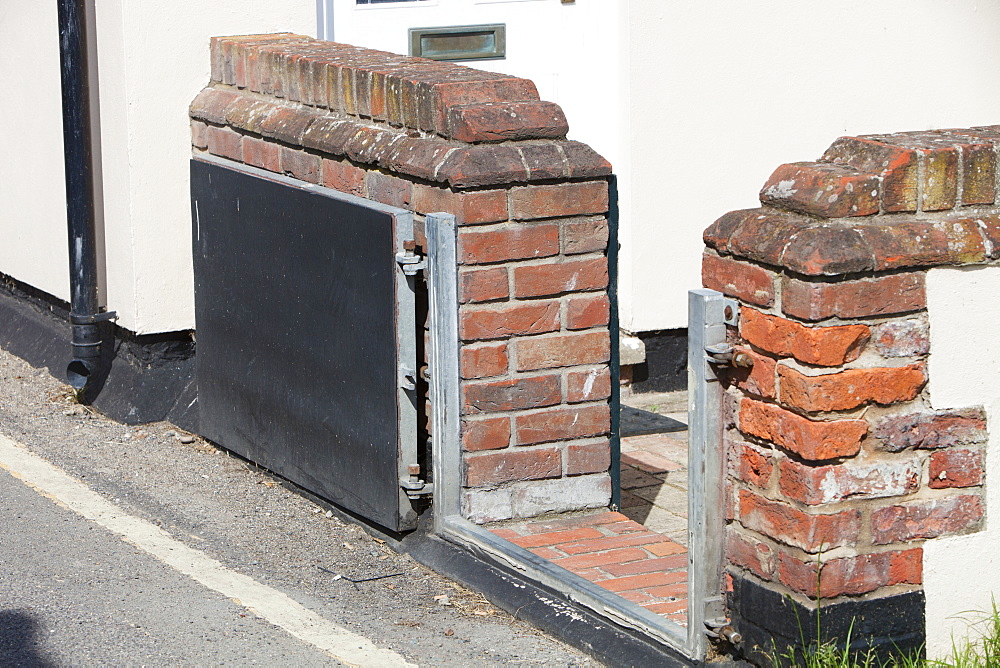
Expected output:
(773, 624)
(665, 368)
(144, 378)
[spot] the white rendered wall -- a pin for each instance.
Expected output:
(33, 239)
(962, 573)
(153, 60)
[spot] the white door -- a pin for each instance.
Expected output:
(569, 49)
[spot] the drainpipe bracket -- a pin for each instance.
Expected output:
(93, 318)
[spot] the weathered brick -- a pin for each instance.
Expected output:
(344, 176)
(564, 199)
(979, 174)
(495, 468)
(956, 468)
(882, 295)
(589, 385)
(828, 250)
(263, 154)
(584, 162)
(470, 208)
(388, 189)
(761, 235)
(497, 322)
(554, 278)
(509, 395)
(199, 135)
(809, 439)
(902, 338)
(809, 532)
(941, 429)
(483, 285)
(585, 236)
(584, 458)
(926, 519)
(544, 161)
(489, 434)
(849, 389)
(562, 424)
(546, 352)
(924, 243)
(515, 242)
(481, 165)
(300, 165)
(484, 360)
(225, 143)
(738, 279)
(753, 555)
(757, 379)
(529, 119)
(817, 485)
(210, 105)
(823, 189)
(287, 124)
(851, 575)
(749, 462)
(553, 537)
(823, 346)
(587, 312)
(897, 167)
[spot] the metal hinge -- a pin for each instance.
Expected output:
(409, 260)
(414, 486)
(407, 377)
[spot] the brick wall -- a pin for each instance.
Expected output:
(838, 465)
(429, 137)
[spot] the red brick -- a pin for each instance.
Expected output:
(508, 320)
(602, 543)
(507, 121)
(823, 346)
(344, 176)
(750, 463)
(510, 395)
(751, 554)
(642, 581)
(388, 189)
(490, 434)
(260, 153)
(823, 250)
(588, 458)
(665, 548)
(515, 242)
(902, 338)
(581, 561)
(547, 352)
(756, 380)
(738, 279)
(677, 590)
(495, 468)
(225, 143)
(881, 295)
(555, 538)
(956, 468)
(469, 208)
(817, 485)
(896, 166)
(852, 575)
(481, 165)
(587, 312)
(809, 439)
(199, 134)
(564, 199)
(300, 165)
(923, 243)
(562, 424)
(483, 285)
(809, 532)
(822, 189)
(849, 389)
(482, 361)
(553, 278)
(666, 608)
(941, 429)
(590, 385)
(925, 519)
(663, 564)
(586, 236)
(211, 103)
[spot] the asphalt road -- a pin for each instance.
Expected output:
(76, 588)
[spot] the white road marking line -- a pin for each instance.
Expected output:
(266, 602)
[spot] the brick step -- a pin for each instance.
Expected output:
(614, 552)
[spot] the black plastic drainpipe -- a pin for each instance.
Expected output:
(85, 315)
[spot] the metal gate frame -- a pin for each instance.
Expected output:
(705, 596)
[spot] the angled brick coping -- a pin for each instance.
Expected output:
(531, 207)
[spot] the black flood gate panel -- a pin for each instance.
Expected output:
(305, 335)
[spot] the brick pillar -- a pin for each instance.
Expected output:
(839, 469)
(532, 209)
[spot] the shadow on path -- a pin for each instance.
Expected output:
(20, 641)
